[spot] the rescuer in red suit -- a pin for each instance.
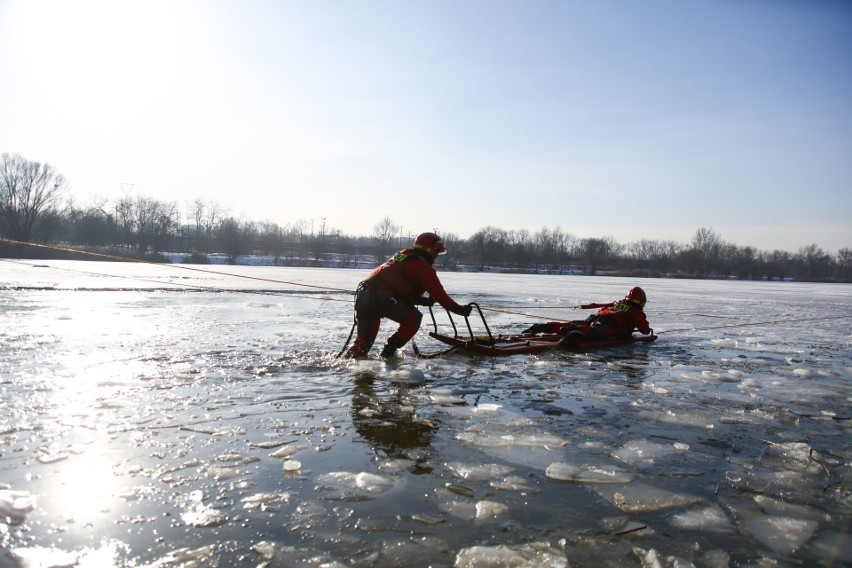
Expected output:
(393, 289)
(616, 319)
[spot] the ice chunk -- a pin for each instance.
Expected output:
(41, 556)
(648, 558)
(640, 497)
(532, 555)
(479, 471)
(188, 557)
(784, 535)
(587, 473)
(490, 510)
(682, 417)
(347, 485)
(15, 505)
(221, 473)
(288, 451)
(710, 518)
(444, 397)
(776, 507)
(264, 501)
(408, 377)
(482, 439)
(792, 456)
(512, 483)
(264, 549)
(202, 515)
(292, 465)
(637, 452)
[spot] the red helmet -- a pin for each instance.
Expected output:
(637, 296)
(430, 243)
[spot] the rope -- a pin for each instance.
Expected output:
(549, 318)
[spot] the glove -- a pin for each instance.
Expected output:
(426, 301)
(463, 310)
(538, 328)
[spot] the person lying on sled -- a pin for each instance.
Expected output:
(617, 319)
(393, 289)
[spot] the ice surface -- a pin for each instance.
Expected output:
(159, 417)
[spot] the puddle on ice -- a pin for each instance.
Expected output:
(218, 429)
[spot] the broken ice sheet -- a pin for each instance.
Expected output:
(783, 535)
(709, 518)
(587, 473)
(532, 555)
(265, 501)
(346, 485)
(638, 452)
(479, 471)
(199, 514)
(640, 497)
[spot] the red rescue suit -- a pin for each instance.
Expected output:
(618, 319)
(391, 291)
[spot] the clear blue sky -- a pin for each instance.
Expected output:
(623, 118)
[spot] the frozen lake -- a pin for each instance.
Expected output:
(153, 415)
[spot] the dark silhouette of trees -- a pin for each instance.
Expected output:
(814, 263)
(235, 238)
(844, 264)
(30, 194)
(146, 222)
(596, 253)
(489, 245)
(29, 209)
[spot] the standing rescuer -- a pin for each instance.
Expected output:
(393, 289)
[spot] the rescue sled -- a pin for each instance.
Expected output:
(523, 343)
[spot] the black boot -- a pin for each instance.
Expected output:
(390, 347)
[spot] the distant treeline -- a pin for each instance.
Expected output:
(139, 226)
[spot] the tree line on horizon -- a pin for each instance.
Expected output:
(35, 208)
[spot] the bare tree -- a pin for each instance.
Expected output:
(704, 250)
(30, 193)
(383, 233)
